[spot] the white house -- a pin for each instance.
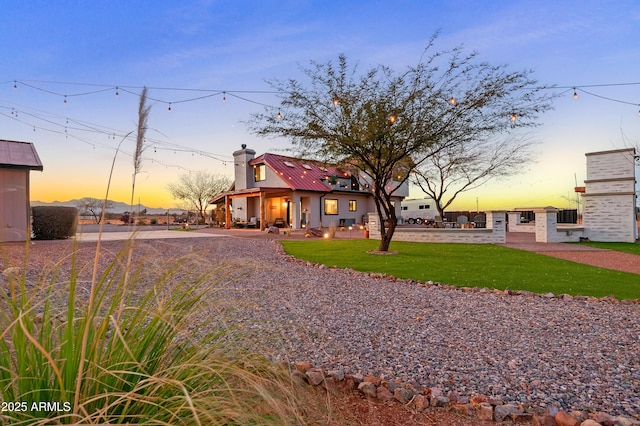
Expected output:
(17, 159)
(278, 190)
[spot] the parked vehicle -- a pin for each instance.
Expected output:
(418, 210)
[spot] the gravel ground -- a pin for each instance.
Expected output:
(538, 351)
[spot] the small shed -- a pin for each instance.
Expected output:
(17, 159)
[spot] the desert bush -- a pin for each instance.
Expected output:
(54, 222)
(126, 352)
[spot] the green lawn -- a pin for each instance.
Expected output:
(633, 248)
(471, 265)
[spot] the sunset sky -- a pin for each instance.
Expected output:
(64, 61)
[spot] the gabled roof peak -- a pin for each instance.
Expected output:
(300, 174)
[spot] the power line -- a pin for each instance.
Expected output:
(46, 122)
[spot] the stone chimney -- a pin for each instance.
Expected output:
(243, 172)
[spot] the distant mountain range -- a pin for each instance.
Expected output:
(116, 206)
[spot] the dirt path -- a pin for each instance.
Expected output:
(601, 258)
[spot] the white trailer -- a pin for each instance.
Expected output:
(418, 210)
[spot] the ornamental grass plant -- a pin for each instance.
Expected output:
(116, 343)
(129, 353)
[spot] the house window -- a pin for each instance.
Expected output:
(260, 172)
(330, 207)
(353, 205)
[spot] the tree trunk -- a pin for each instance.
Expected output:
(386, 234)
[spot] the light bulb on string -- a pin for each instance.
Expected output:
(279, 116)
(453, 101)
(65, 99)
(575, 94)
(117, 94)
(224, 96)
(169, 107)
(514, 117)
(15, 85)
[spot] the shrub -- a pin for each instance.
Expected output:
(54, 222)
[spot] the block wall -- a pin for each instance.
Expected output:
(610, 196)
(495, 233)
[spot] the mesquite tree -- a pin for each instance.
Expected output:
(386, 123)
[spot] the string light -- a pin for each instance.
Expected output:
(279, 116)
(514, 117)
(65, 99)
(224, 97)
(169, 107)
(211, 92)
(117, 94)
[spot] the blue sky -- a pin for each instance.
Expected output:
(73, 48)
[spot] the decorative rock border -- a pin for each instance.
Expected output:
(481, 407)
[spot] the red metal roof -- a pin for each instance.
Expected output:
(300, 174)
(20, 155)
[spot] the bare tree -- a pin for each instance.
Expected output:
(92, 206)
(469, 164)
(385, 124)
(198, 189)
